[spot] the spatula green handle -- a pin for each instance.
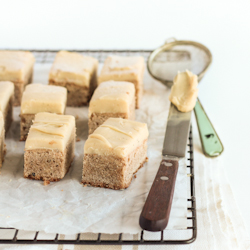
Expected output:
(211, 143)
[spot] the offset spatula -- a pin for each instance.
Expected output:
(156, 211)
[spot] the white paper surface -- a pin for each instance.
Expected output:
(66, 207)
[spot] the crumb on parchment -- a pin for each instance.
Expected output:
(45, 183)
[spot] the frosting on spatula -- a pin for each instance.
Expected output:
(184, 91)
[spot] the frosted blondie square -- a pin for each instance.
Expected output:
(114, 152)
(40, 98)
(50, 147)
(2, 135)
(111, 99)
(130, 69)
(77, 73)
(17, 67)
(6, 102)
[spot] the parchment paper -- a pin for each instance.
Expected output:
(66, 207)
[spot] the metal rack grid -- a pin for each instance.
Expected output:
(190, 233)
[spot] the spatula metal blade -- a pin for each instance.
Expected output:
(177, 131)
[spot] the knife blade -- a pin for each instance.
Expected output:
(156, 210)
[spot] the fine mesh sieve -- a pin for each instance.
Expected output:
(165, 62)
(175, 56)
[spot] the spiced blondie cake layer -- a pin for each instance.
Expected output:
(111, 99)
(17, 67)
(77, 73)
(130, 69)
(114, 152)
(40, 98)
(50, 147)
(2, 135)
(6, 102)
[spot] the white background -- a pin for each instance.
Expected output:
(223, 26)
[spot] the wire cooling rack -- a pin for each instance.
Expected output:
(166, 237)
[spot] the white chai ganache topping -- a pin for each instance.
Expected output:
(184, 91)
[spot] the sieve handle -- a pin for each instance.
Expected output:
(210, 141)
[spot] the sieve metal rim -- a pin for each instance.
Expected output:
(169, 45)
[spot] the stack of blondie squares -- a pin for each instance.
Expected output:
(117, 144)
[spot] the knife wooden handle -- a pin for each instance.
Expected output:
(156, 210)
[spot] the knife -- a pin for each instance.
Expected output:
(156, 210)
